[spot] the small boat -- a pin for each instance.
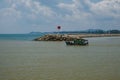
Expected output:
(77, 42)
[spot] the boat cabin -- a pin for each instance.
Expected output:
(77, 42)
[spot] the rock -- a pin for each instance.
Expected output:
(55, 37)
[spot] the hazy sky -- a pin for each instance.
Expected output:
(24, 16)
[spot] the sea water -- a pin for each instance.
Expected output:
(24, 59)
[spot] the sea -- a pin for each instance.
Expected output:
(21, 58)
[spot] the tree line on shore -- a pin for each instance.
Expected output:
(89, 31)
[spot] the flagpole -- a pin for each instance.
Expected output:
(58, 28)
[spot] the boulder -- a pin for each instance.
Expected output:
(55, 37)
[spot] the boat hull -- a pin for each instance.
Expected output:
(78, 42)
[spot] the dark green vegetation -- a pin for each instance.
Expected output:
(89, 31)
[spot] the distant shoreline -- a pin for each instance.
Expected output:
(94, 35)
(70, 37)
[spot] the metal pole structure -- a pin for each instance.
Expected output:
(58, 27)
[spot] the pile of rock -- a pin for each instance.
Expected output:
(53, 37)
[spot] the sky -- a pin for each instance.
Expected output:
(24, 16)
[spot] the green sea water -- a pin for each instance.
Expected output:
(30, 60)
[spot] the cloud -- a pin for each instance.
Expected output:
(9, 15)
(104, 8)
(37, 8)
(76, 9)
(108, 8)
(106, 13)
(71, 14)
(24, 13)
(99, 13)
(31, 7)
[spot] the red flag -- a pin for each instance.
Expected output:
(58, 27)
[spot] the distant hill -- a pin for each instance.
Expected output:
(35, 33)
(89, 31)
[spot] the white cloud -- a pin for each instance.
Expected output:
(9, 14)
(110, 8)
(24, 13)
(8, 19)
(75, 14)
(76, 8)
(92, 14)
(29, 7)
(104, 8)
(37, 8)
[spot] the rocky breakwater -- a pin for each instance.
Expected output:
(56, 37)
